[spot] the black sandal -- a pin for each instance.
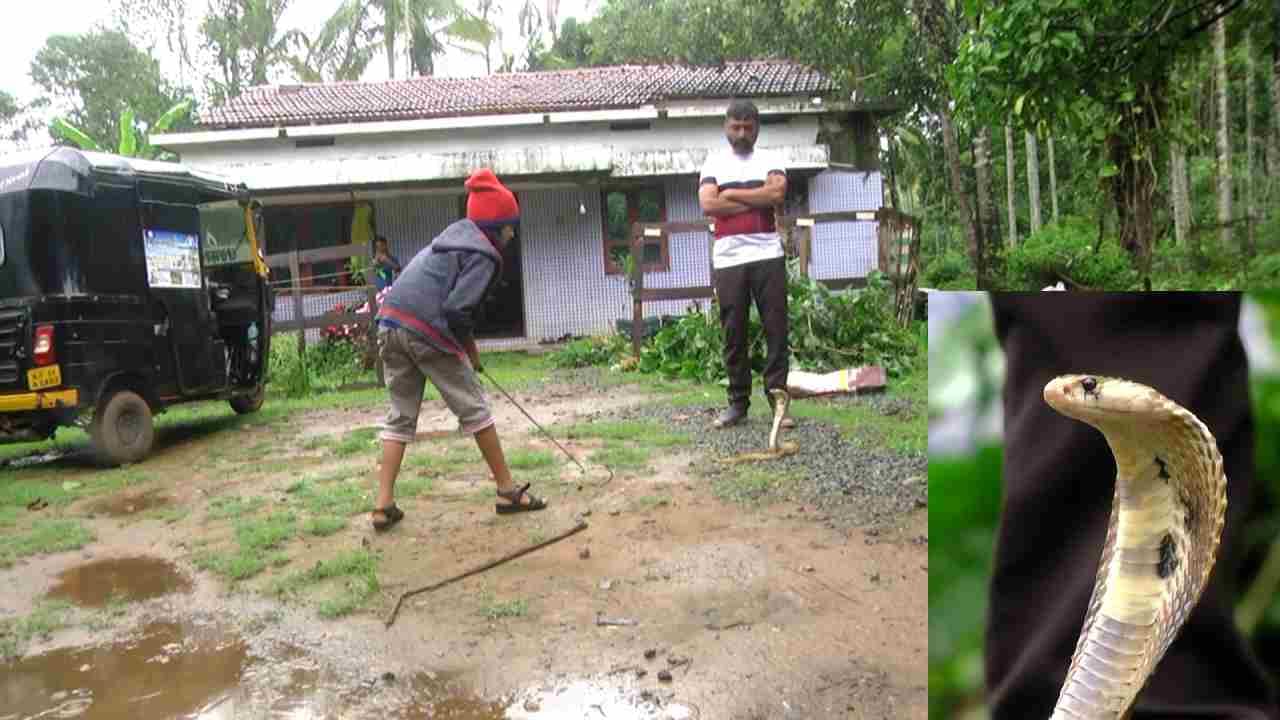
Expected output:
(392, 514)
(515, 506)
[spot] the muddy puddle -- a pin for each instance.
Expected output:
(167, 670)
(121, 505)
(203, 672)
(130, 579)
(584, 698)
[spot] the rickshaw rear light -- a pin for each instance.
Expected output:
(43, 354)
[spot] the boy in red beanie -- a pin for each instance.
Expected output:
(425, 332)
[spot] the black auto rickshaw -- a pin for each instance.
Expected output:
(126, 286)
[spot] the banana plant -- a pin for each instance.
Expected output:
(132, 142)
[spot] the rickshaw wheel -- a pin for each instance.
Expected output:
(246, 404)
(122, 429)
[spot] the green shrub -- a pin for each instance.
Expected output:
(828, 330)
(590, 351)
(327, 364)
(949, 271)
(1065, 249)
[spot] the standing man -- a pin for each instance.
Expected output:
(385, 265)
(739, 190)
(426, 332)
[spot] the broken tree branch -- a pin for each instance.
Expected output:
(491, 564)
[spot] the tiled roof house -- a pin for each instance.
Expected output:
(586, 150)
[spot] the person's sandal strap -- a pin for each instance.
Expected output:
(515, 506)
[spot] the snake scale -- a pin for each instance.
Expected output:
(1162, 539)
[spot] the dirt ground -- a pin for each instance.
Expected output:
(766, 610)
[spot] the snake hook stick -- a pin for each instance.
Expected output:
(582, 525)
(1162, 540)
(544, 430)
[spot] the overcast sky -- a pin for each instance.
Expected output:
(27, 24)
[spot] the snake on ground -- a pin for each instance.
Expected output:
(781, 405)
(1162, 539)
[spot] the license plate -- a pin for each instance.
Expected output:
(44, 377)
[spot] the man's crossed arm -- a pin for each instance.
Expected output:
(731, 201)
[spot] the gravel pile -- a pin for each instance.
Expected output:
(865, 484)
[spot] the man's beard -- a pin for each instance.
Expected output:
(742, 147)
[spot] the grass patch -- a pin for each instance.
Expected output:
(356, 442)
(751, 484)
(9, 516)
(17, 494)
(356, 568)
(455, 457)
(237, 565)
(528, 459)
(47, 618)
(225, 507)
(342, 499)
(45, 536)
(413, 485)
(617, 456)
(268, 533)
(323, 526)
(492, 609)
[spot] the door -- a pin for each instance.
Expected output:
(175, 280)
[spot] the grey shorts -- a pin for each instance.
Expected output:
(408, 361)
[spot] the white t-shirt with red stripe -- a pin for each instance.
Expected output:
(749, 236)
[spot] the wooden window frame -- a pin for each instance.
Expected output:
(611, 267)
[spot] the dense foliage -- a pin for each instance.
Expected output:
(325, 365)
(828, 331)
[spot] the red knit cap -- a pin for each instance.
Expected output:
(489, 203)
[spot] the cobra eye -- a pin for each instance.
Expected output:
(1089, 384)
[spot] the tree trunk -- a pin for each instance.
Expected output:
(964, 207)
(1053, 180)
(1179, 189)
(1224, 132)
(1273, 146)
(893, 171)
(1251, 148)
(1033, 181)
(1273, 133)
(1009, 170)
(1133, 186)
(988, 214)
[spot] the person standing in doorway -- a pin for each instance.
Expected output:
(385, 265)
(740, 188)
(426, 331)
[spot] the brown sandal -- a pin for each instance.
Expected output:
(515, 506)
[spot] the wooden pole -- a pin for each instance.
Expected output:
(296, 282)
(637, 287)
(806, 249)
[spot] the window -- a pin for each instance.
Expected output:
(621, 208)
